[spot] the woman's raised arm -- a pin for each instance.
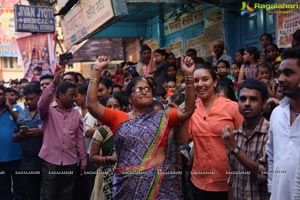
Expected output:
(97, 110)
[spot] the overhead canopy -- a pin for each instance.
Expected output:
(109, 39)
(91, 48)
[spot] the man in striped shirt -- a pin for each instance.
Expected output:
(246, 145)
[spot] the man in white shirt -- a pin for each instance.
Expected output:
(283, 146)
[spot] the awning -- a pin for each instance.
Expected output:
(90, 49)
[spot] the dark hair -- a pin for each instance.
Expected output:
(12, 90)
(72, 74)
(268, 35)
(122, 99)
(241, 51)
(225, 62)
(296, 35)
(24, 80)
(82, 88)
(145, 48)
(254, 51)
(80, 75)
(3, 88)
(171, 65)
(133, 82)
(177, 98)
(264, 65)
(14, 82)
(292, 53)
(63, 88)
(191, 50)
(33, 87)
(274, 45)
(115, 85)
(235, 63)
(47, 76)
(131, 73)
(39, 69)
(157, 102)
(171, 54)
(255, 84)
(107, 82)
(161, 52)
(227, 86)
(210, 69)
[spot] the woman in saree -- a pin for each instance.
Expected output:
(146, 165)
(102, 153)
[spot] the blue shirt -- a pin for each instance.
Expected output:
(9, 150)
(31, 145)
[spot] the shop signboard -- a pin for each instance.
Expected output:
(84, 19)
(34, 19)
(61, 3)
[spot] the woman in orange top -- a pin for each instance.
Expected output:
(211, 115)
(145, 166)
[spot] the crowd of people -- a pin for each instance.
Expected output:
(163, 128)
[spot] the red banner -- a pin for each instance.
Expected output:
(37, 51)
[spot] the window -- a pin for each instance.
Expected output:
(5, 62)
(11, 63)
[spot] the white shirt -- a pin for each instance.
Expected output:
(222, 57)
(296, 194)
(283, 149)
(88, 122)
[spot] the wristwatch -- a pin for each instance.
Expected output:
(14, 109)
(235, 151)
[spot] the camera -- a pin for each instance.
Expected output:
(65, 56)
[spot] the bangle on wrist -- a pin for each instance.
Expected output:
(94, 80)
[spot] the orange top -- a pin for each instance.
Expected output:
(113, 118)
(169, 93)
(210, 157)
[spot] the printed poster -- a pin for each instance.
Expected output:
(287, 24)
(37, 51)
(199, 44)
(177, 49)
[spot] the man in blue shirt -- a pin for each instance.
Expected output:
(10, 152)
(29, 132)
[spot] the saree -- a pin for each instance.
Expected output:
(103, 188)
(137, 141)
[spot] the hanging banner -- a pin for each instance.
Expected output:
(176, 21)
(37, 51)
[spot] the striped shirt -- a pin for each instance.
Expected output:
(244, 185)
